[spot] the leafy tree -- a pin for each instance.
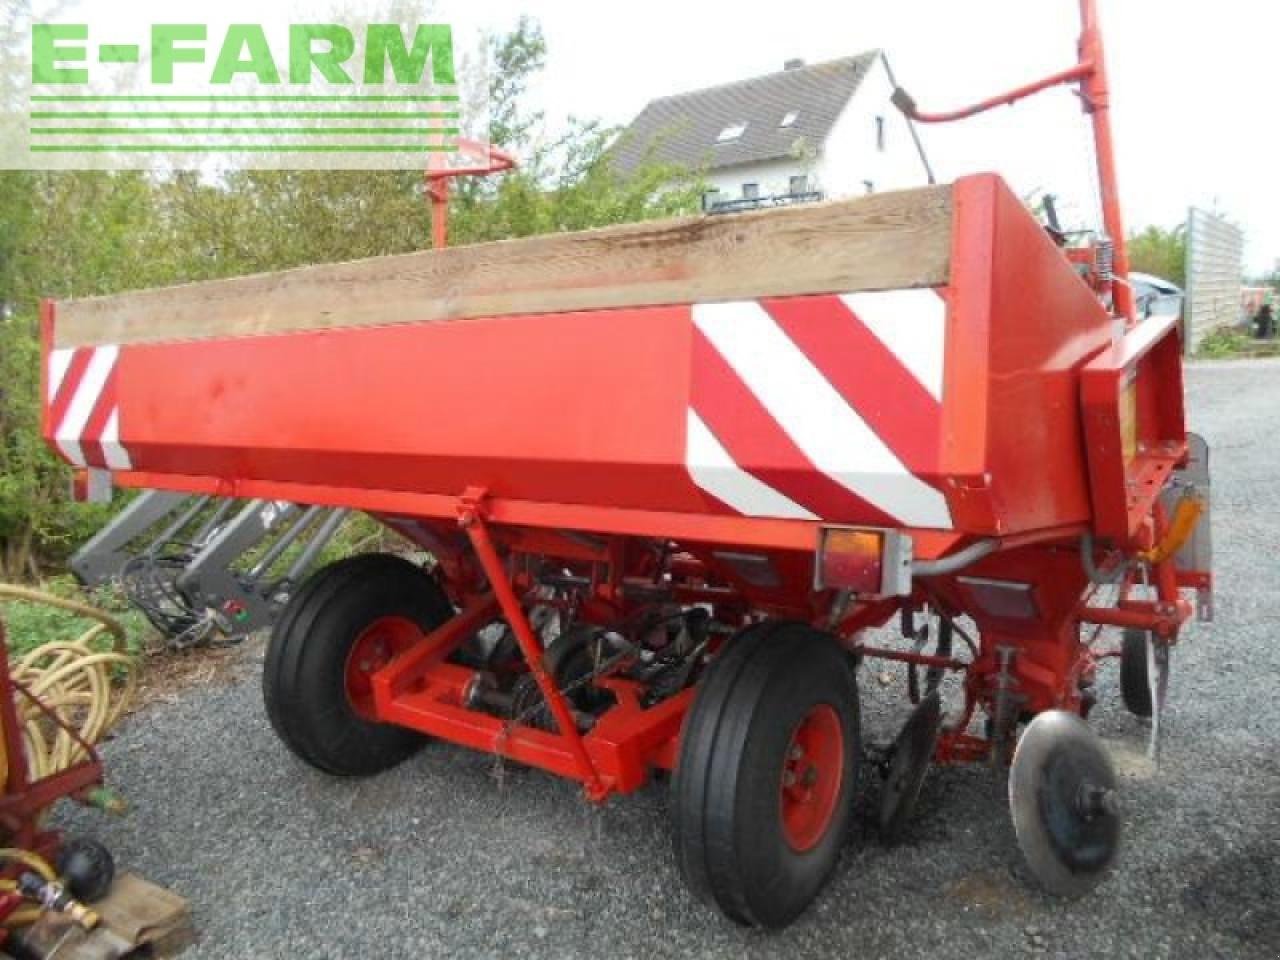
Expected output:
(1160, 252)
(61, 235)
(85, 233)
(514, 59)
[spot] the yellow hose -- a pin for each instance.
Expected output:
(25, 915)
(88, 689)
(30, 860)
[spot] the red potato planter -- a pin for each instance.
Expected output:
(669, 474)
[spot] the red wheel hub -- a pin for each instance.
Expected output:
(377, 645)
(812, 773)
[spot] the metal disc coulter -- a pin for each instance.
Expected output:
(1063, 797)
(909, 759)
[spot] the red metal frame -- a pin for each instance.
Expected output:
(23, 801)
(471, 517)
(1133, 421)
(423, 690)
(606, 489)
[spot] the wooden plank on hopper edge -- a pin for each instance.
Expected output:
(877, 242)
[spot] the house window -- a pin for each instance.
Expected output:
(799, 185)
(870, 185)
(880, 134)
(788, 119)
(711, 198)
(732, 132)
(750, 191)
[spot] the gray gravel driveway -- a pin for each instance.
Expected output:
(441, 858)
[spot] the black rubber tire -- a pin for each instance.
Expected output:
(303, 679)
(725, 806)
(1135, 682)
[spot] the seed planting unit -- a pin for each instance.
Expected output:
(669, 475)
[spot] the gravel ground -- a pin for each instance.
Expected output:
(440, 857)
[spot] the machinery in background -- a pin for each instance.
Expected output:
(57, 702)
(204, 570)
(61, 896)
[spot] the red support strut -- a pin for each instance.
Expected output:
(471, 519)
(437, 177)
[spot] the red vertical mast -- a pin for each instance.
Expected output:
(1091, 73)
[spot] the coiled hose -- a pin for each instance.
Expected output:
(28, 914)
(86, 687)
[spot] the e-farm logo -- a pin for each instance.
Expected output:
(376, 94)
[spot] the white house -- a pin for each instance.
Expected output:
(808, 132)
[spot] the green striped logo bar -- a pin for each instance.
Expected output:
(373, 92)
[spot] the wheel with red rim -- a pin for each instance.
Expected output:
(762, 793)
(346, 622)
(375, 646)
(812, 773)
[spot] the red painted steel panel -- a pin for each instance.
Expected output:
(1134, 425)
(1046, 324)
(573, 408)
(598, 409)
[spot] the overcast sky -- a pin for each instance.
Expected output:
(1194, 85)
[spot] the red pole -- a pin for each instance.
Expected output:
(436, 179)
(1098, 102)
(438, 194)
(1076, 73)
(1091, 73)
(473, 523)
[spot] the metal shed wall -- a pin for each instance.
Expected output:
(1215, 270)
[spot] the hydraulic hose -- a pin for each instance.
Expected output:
(86, 687)
(24, 915)
(956, 561)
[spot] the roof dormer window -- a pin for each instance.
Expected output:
(788, 119)
(732, 132)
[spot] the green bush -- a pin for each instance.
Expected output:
(82, 233)
(30, 624)
(1223, 342)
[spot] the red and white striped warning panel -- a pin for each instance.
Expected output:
(821, 408)
(84, 409)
